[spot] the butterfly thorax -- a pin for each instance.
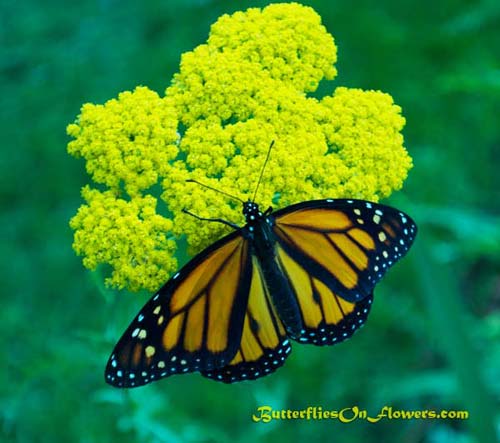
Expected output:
(258, 227)
(262, 241)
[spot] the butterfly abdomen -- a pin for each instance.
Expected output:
(282, 297)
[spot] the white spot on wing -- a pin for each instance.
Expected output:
(150, 351)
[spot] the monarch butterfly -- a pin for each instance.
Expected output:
(305, 273)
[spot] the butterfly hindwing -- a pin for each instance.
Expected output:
(193, 323)
(264, 345)
(347, 245)
(327, 318)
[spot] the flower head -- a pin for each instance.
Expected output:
(248, 85)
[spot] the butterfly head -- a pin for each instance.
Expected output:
(251, 211)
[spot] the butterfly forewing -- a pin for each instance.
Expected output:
(193, 323)
(347, 245)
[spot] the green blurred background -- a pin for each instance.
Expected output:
(432, 340)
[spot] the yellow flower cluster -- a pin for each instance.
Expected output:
(248, 85)
(128, 235)
(127, 142)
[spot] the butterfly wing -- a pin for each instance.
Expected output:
(347, 244)
(193, 323)
(333, 252)
(264, 345)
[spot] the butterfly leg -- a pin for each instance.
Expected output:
(218, 220)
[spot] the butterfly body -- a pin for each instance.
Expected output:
(305, 272)
(262, 242)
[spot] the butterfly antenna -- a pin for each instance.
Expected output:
(262, 170)
(214, 189)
